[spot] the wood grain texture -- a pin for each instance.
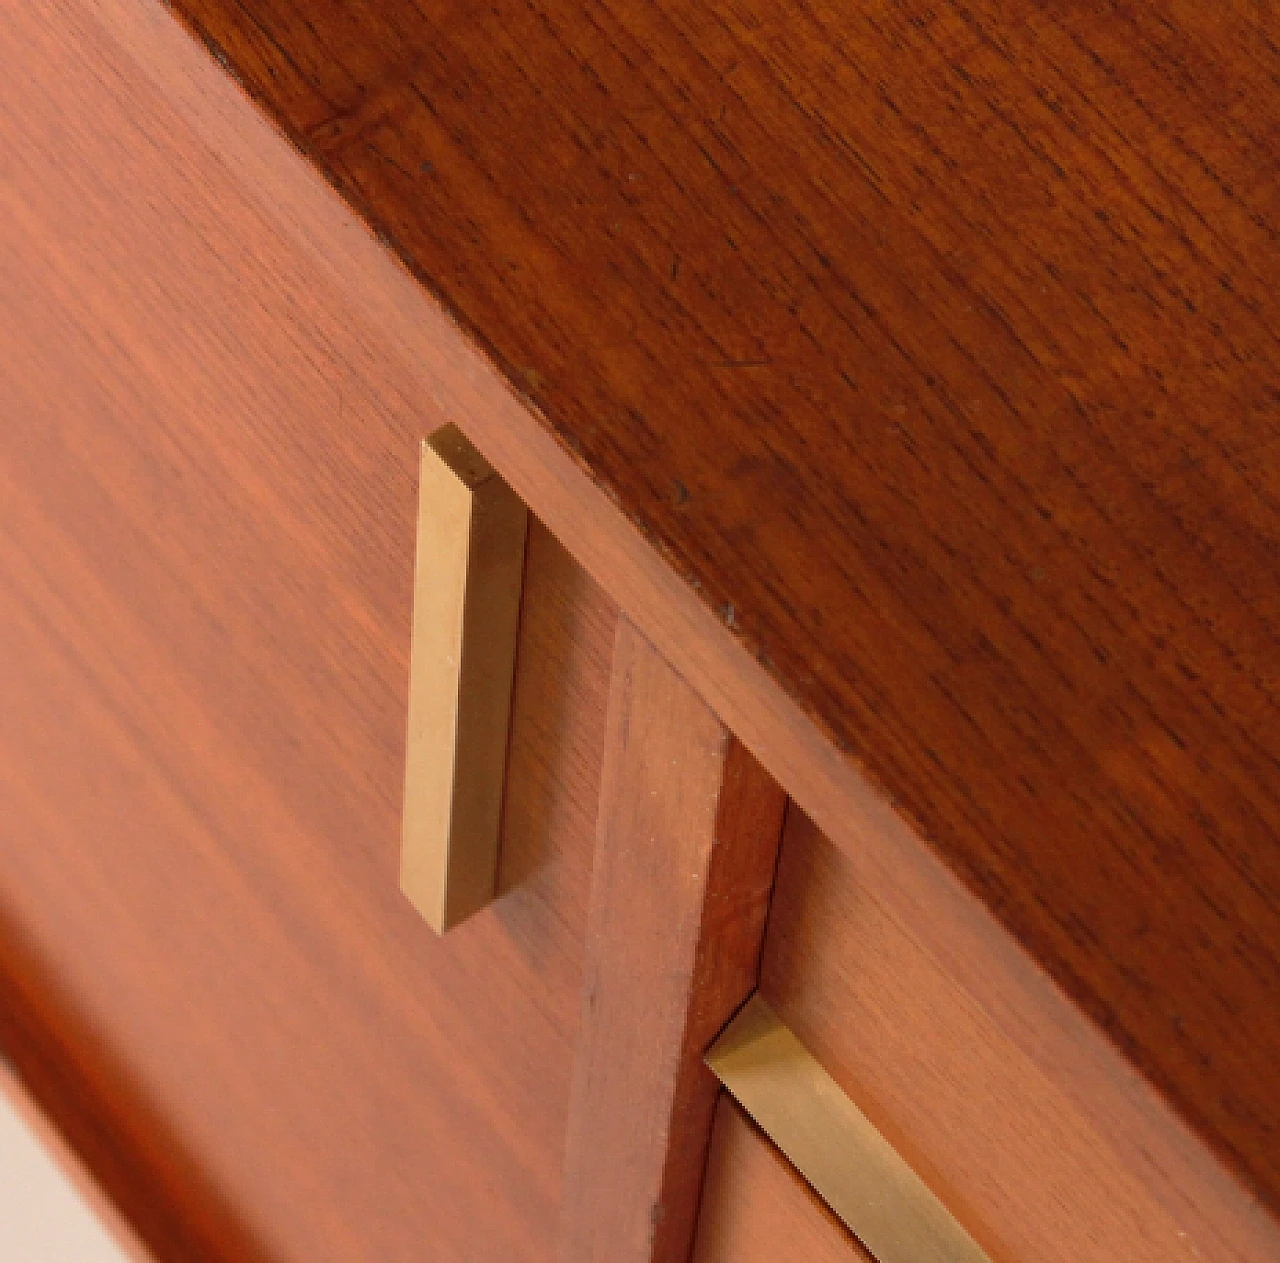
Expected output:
(207, 972)
(686, 847)
(214, 165)
(952, 1065)
(938, 349)
(757, 1209)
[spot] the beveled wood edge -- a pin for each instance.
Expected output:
(451, 380)
(68, 1162)
(79, 1088)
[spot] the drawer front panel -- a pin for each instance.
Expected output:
(970, 1089)
(859, 1175)
(757, 1209)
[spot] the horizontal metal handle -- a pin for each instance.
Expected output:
(832, 1143)
(468, 579)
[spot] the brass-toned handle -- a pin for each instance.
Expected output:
(468, 578)
(832, 1143)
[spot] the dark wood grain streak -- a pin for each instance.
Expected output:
(938, 349)
(126, 1150)
(207, 505)
(685, 853)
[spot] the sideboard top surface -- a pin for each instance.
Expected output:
(938, 348)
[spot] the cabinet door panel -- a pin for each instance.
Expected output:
(207, 970)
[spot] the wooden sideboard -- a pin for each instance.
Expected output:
(895, 394)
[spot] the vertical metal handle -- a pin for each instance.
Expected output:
(833, 1145)
(468, 577)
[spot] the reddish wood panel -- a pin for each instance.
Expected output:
(757, 1209)
(939, 347)
(207, 972)
(321, 277)
(1037, 1157)
(685, 853)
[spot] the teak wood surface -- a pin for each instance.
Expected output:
(936, 348)
(208, 975)
(943, 1054)
(686, 846)
(212, 292)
